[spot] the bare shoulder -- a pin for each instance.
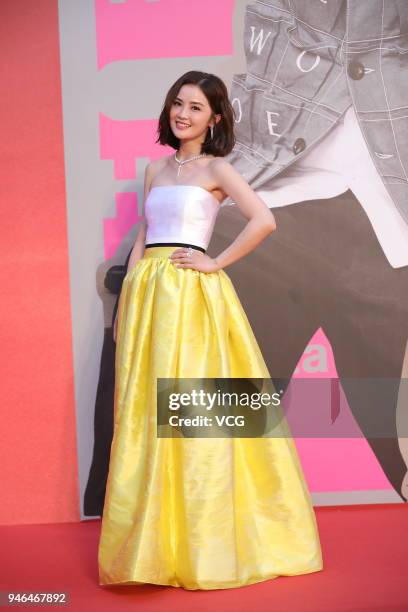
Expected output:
(223, 173)
(217, 164)
(157, 165)
(221, 168)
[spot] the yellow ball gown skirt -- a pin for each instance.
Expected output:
(196, 513)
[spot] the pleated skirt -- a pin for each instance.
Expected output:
(196, 513)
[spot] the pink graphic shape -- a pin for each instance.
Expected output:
(124, 141)
(338, 464)
(318, 347)
(332, 463)
(114, 229)
(319, 339)
(137, 29)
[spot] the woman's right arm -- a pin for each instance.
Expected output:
(139, 245)
(138, 248)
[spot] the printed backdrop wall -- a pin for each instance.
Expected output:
(103, 67)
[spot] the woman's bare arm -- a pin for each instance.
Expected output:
(261, 221)
(139, 246)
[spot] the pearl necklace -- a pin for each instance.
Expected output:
(180, 163)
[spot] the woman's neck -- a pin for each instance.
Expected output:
(186, 152)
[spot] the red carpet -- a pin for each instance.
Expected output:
(364, 551)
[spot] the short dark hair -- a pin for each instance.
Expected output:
(216, 93)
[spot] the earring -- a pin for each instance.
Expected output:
(212, 131)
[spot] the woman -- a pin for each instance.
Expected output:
(195, 512)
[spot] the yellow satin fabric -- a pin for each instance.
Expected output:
(197, 513)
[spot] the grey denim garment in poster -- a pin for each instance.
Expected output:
(307, 62)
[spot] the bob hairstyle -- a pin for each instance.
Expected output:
(216, 93)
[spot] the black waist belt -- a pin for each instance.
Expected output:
(180, 244)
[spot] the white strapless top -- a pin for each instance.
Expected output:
(180, 213)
